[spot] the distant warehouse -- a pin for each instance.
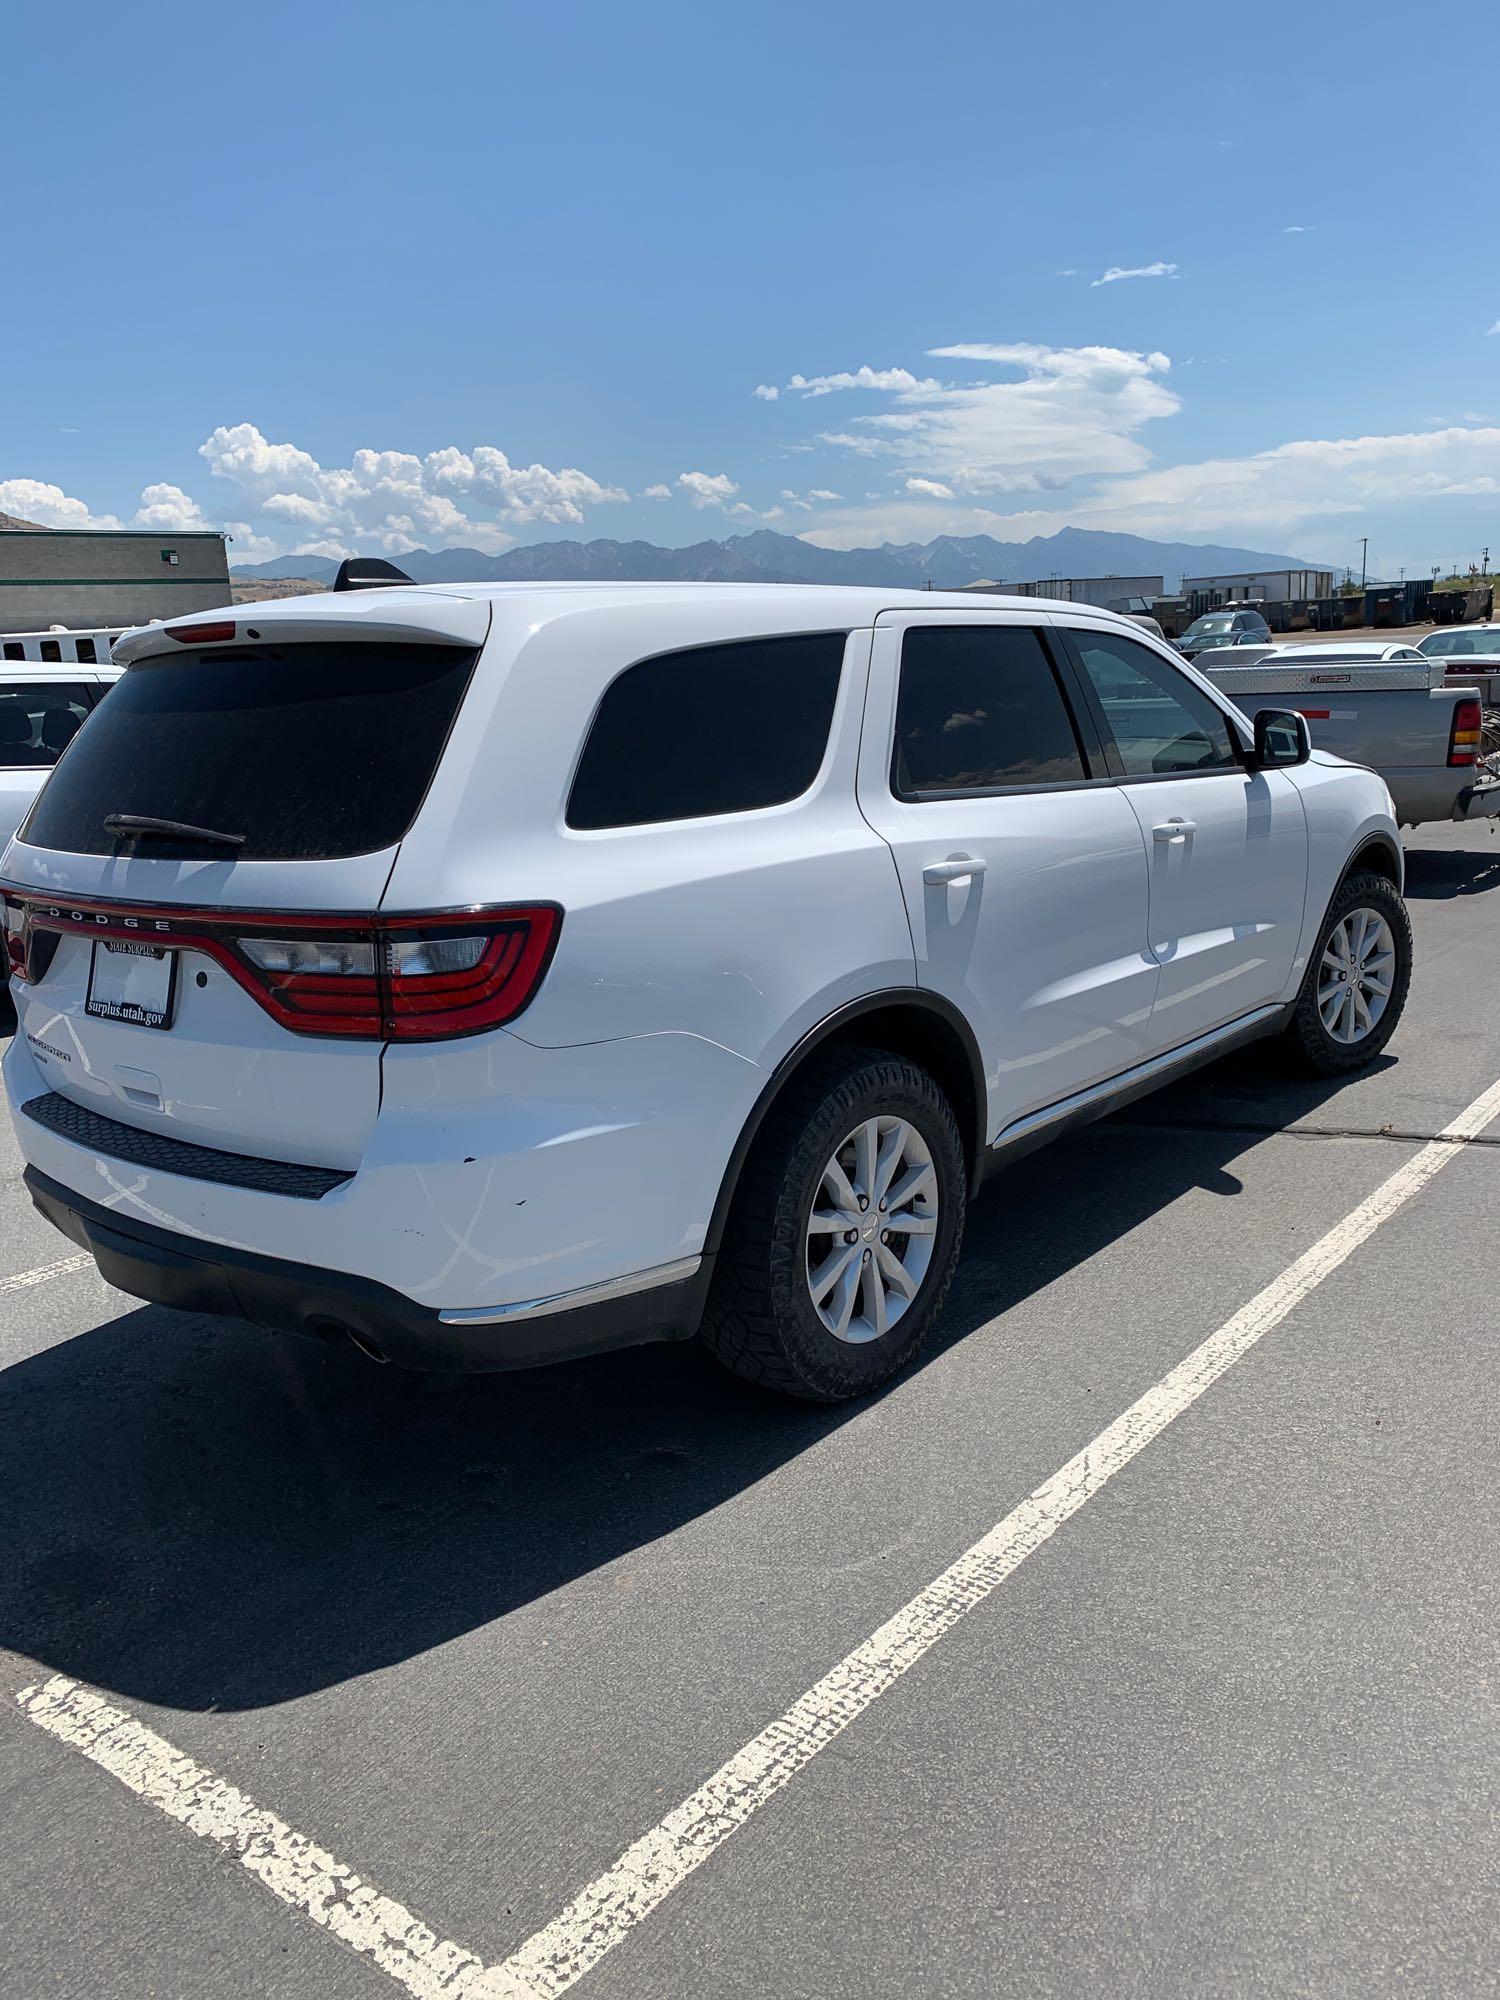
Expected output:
(1252, 585)
(1098, 590)
(96, 577)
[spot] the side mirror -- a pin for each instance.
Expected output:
(1282, 738)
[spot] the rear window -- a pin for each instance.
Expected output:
(311, 752)
(37, 723)
(710, 730)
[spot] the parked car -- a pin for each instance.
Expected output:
(41, 710)
(1378, 703)
(490, 974)
(1216, 629)
(1472, 656)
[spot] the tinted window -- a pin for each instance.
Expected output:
(86, 652)
(14, 650)
(38, 723)
(310, 751)
(715, 729)
(980, 708)
(1161, 723)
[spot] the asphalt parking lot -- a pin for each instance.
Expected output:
(1220, 1717)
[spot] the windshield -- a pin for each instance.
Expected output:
(1438, 643)
(1201, 627)
(298, 752)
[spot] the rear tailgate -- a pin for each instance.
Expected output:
(187, 986)
(1388, 716)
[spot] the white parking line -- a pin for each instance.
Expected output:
(289, 1864)
(602, 1915)
(19, 1281)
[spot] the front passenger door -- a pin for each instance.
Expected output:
(1022, 867)
(1227, 846)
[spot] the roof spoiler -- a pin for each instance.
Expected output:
(368, 573)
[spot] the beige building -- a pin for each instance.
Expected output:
(90, 578)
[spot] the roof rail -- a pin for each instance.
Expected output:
(367, 573)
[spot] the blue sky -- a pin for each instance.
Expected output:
(363, 277)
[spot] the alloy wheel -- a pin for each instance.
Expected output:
(1357, 976)
(872, 1228)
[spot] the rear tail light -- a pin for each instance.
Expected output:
(1463, 742)
(15, 938)
(383, 978)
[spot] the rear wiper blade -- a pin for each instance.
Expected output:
(170, 829)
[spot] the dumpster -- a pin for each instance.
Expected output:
(1446, 607)
(1385, 604)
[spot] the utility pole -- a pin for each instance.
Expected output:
(1364, 559)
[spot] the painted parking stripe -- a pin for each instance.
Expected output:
(290, 1865)
(20, 1280)
(604, 1914)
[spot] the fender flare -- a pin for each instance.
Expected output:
(914, 998)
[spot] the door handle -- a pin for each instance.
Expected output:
(1174, 829)
(959, 870)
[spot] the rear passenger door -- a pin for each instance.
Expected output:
(1021, 864)
(1228, 847)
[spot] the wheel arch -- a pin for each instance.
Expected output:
(906, 1021)
(1379, 855)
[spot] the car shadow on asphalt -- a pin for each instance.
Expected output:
(201, 1515)
(1438, 874)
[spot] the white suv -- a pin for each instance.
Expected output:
(497, 974)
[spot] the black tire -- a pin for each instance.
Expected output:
(760, 1320)
(1309, 1042)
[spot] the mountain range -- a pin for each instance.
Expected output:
(766, 557)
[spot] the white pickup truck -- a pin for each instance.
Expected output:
(1387, 706)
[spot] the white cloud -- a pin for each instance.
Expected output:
(815, 495)
(1278, 495)
(169, 509)
(863, 377)
(1073, 412)
(767, 391)
(396, 498)
(1299, 229)
(657, 492)
(1118, 271)
(37, 500)
(1495, 328)
(933, 488)
(707, 489)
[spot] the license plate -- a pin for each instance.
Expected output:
(132, 982)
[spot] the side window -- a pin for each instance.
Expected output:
(1161, 723)
(979, 708)
(38, 722)
(86, 653)
(711, 730)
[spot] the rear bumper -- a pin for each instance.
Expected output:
(182, 1271)
(1481, 801)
